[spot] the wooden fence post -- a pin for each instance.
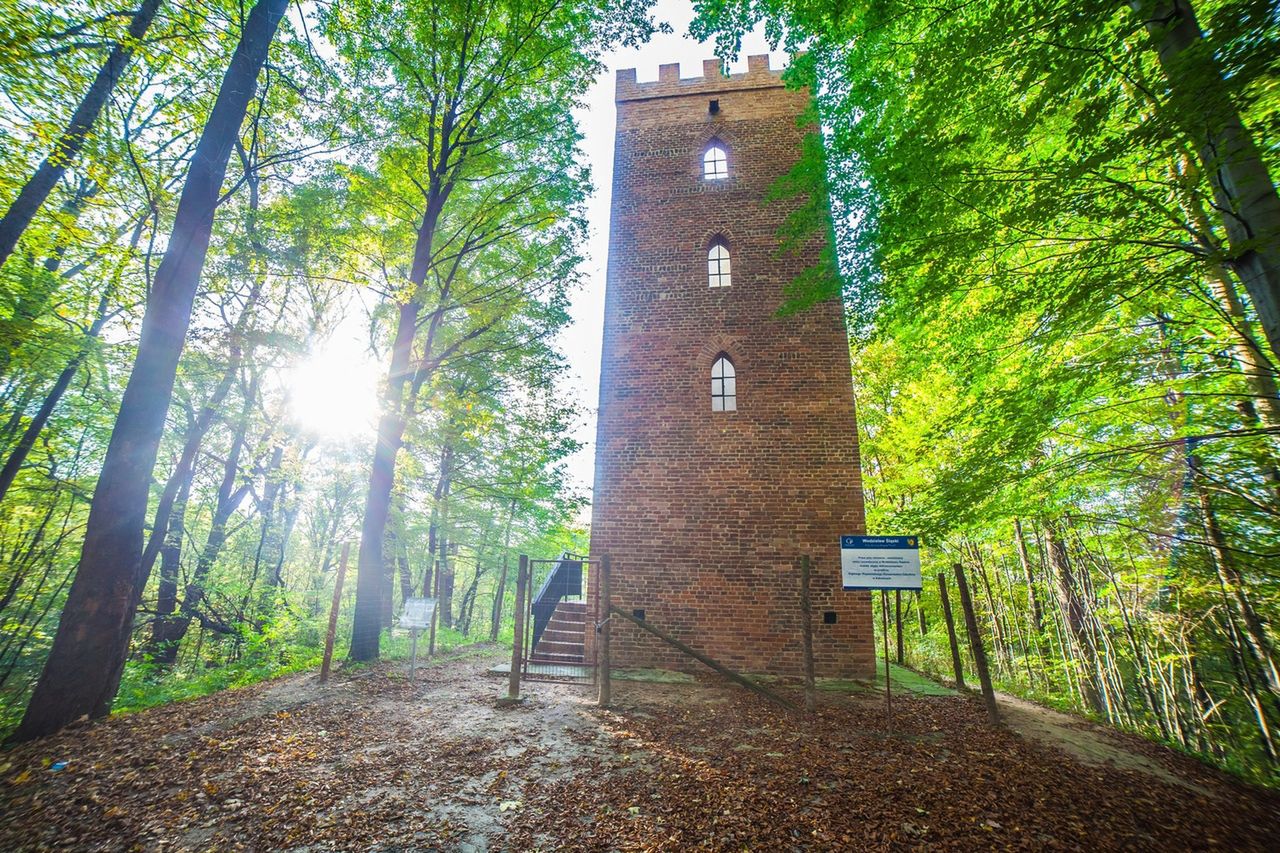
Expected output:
(951, 631)
(975, 642)
(517, 644)
(333, 613)
(888, 680)
(897, 617)
(605, 615)
(806, 614)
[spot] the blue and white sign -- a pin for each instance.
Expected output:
(880, 562)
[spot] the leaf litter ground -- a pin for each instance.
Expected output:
(372, 761)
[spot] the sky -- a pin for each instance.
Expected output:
(581, 342)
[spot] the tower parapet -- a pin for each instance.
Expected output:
(758, 76)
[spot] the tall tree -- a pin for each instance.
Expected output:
(498, 81)
(67, 147)
(84, 666)
(1243, 191)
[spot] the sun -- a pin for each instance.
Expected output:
(333, 392)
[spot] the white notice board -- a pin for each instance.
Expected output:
(417, 612)
(880, 562)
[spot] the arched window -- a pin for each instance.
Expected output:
(715, 164)
(718, 265)
(724, 386)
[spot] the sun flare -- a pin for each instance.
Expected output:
(333, 392)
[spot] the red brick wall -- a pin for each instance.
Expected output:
(705, 514)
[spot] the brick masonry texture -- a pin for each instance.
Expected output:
(705, 514)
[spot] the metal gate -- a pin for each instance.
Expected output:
(558, 617)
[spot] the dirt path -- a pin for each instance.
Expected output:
(1094, 744)
(372, 762)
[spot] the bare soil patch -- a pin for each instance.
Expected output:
(374, 762)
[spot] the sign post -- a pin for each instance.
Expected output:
(883, 563)
(416, 615)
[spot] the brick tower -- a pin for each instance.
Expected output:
(726, 443)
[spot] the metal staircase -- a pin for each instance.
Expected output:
(556, 641)
(563, 641)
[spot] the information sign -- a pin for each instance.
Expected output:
(880, 562)
(417, 612)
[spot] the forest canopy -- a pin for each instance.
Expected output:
(248, 248)
(1058, 240)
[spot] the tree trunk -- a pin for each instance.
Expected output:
(169, 633)
(288, 518)
(1258, 370)
(1037, 615)
(19, 454)
(445, 570)
(1076, 617)
(1004, 660)
(272, 497)
(897, 620)
(469, 600)
(196, 433)
(500, 594)
(390, 547)
(406, 575)
(1245, 681)
(83, 669)
(21, 557)
(1141, 660)
(366, 629)
(396, 404)
(37, 188)
(162, 628)
(1243, 191)
(1255, 632)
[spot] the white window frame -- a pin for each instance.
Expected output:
(718, 265)
(715, 163)
(724, 385)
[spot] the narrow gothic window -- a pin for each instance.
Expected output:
(718, 265)
(724, 386)
(715, 164)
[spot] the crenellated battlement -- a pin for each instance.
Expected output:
(758, 76)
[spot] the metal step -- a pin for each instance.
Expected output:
(554, 635)
(539, 657)
(554, 648)
(563, 641)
